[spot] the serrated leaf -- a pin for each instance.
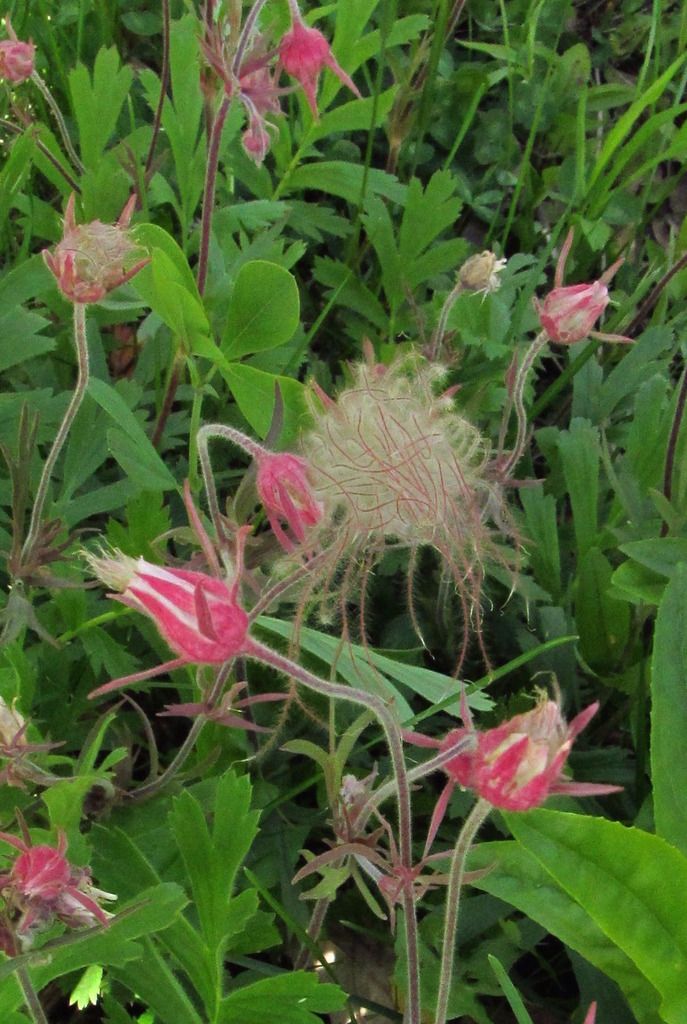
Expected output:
(339, 178)
(580, 455)
(86, 992)
(97, 102)
(603, 621)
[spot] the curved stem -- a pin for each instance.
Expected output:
(16, 130)
(246, 37)
(33, 1003)
(440, 329)
(388, 789)
(164, 85)
(455, 883)
(209, 193)
(203, 436)
(337, 691)
(57, 114)
(176, 764)
(81, 345)
(531, 354)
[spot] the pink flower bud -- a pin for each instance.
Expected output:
(591, 1014)
(287, 495)
(568, 314)
(304, 52)
(91, 259)
(42, 885)
(16, 57)
(198, 615)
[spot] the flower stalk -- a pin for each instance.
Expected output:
(472, 824)
(81, 345)
(42, 86)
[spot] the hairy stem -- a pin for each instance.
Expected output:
(337, 691)
(209, 192)
(302, 961)
(440, 329)
(203, 436)
(81, 345)
(246, 37)
(519, 402)
(33, 1003)
(164, 85)
(43, 149)
(57, 114)
(455, 883)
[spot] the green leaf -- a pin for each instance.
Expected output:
(87, 989)
(509, 990)
(669, 713)
(635, 583)
(602, 620)
(264, 309)
(580, 455)
(129, 441)
(212, 859)
(542, 529)
(254, 393)
(339, 178)
(660, 554)
(628, 882)
(516, 876)
(98, 102)
(289, 998)
(167, 287)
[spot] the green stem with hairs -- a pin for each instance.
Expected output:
(475, 819)
(81, 345)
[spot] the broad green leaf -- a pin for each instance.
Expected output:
(380, 231)
(165, 286)
(151, 979)
(660, 554)
(669, 713)
(264, 309)
(427, 213)
(254, 393)
(580, 455)
(602, 620)
(97, 102)
(631, 883)
(635, 583)
(152, 237)
(516, 876)
(289, 998)
(356, 115)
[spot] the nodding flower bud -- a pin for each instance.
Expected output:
(304, 52)
(568, 313)
(16, 57)
(287, 495)
(198, 615)
(91, 259)
(42, 885)
(481, 273)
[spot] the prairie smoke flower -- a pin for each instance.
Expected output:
(286, 494)
(16, 57)
(568, 314)
(14, 746)
(91, 259)
(516, 765)
(304, 53)
(42, 885)
(393, 464)
(198, 615)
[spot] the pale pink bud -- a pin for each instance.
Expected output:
(198, 615)
(256, 140)
(16, 57)
(287, 495)
(304, 52)
(91, 259)
(591, 1014)
(568, 313)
